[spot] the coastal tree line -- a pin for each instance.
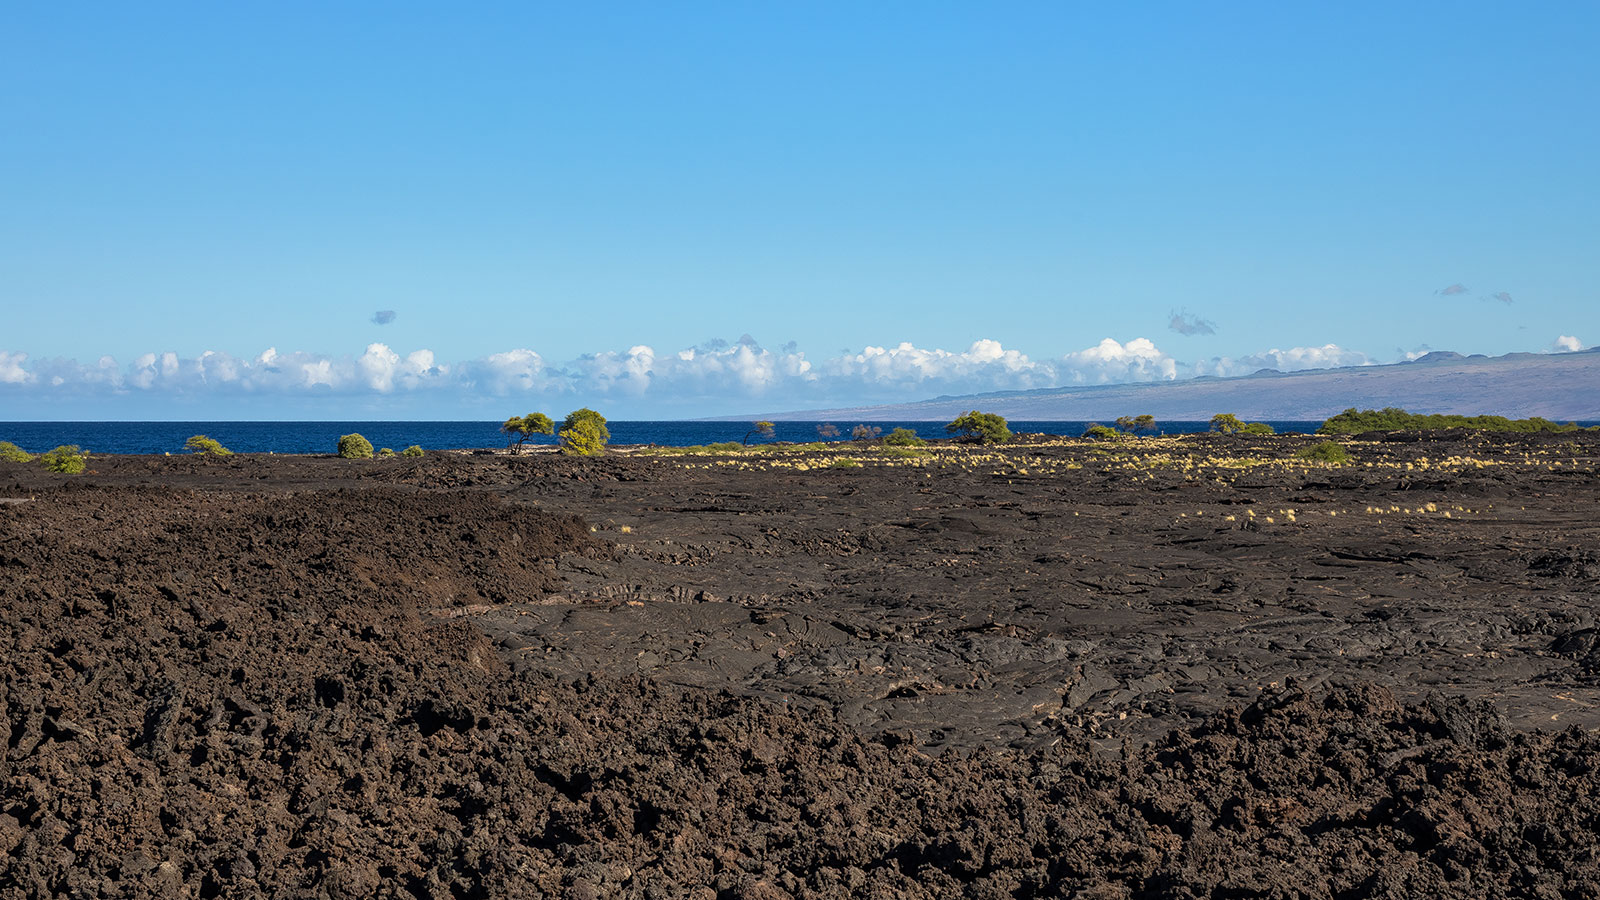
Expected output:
(584, 433)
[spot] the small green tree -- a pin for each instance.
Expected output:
(1099, 432)
(1136, 424)
(12, 453)
(354, 446)
(386, 453)
(412, 451)
(584, 433)
(582, 438)
(1226, 423)
(521, 428)
(764, 429)
(588, 414)
(1325, 452)
(206, 446)
(980, 427)
(1259, 428)
(903, 437)
(68, 459)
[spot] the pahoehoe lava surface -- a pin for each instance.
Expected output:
(1176, 668)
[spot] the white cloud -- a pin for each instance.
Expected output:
(11, 371)
(381, 368)
(1109, 362)
(985, 363)
(1324, 357)
(1563, 344)
(710, 377)
(519, 370)
(1295, 359)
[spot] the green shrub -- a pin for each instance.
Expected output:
(584, 433)
(354, 446)
(1327, 452)
(385, 453)
(67, 459)
(844, 462)
(1101, 433)
(412, 451)
(586, 440)
(12, 453)
(905, 453)
(703, 449)
(206, 446)
(1395, 419)
(1226, 423)
(521, 428)
(980, 427)
(1136, 424)
(904, 437)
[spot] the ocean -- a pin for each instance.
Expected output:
(321, 437)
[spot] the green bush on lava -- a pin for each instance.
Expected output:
(206, 446)
(980, 427)
(584, 433)
(67, 459)
(1391, 418)
(521, 428)
(354, 446)
(1136, 424)
(1228, 423)
(903, 437)
(1325, 452)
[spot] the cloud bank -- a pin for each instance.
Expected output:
(715, 377)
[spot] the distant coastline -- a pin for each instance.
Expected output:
(321, 437)
(1558, 386)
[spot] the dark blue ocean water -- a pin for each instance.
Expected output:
(321, 437)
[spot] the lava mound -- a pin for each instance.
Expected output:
(183, 668)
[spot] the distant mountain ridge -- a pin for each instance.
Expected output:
(1559, 386)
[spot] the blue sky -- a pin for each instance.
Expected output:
(667, 210)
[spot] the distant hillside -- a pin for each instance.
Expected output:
(1559, 386)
